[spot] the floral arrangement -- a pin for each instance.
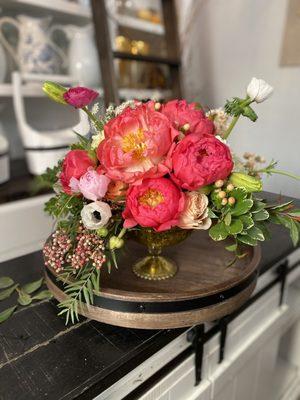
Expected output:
(154, 166)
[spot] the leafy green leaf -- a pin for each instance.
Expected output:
(281, 207)
(4, 294)
(32, 286)
(5, 282)
(231, 247)
(227, 219)
(43, 295)
(246, 239)
(242, 207)
(256, 233)
(261, 215)
(257, 206)
(211, 214)
(24, 298)
(239, 194)
(218, 232)
(294, 232)
(4, 315)
(294, 213)
(247, 221)
(235, 227)
(262, 226)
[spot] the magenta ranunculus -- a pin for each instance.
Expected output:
(184, 115)
(92, 185)
(155, 203)
(199, 160)
(80, 96)
(136, 145)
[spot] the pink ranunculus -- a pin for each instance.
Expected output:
(92, 185)
(75, 164)
(180, 113)
(199, 161)
(136, 145)
(155, 203)
(80, 96)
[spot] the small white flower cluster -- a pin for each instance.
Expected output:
(129, 103)
(96, 140)
(221, 120)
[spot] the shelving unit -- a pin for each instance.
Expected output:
(107, 55)
(138, 24)
(59, 7)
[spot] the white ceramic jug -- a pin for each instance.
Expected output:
(35, 52)
(82, 55)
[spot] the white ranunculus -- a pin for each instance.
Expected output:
(259, 90)
(95, 215)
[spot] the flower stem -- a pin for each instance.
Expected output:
(122, 233)
(279, 172)
(92, 118)
(235, 119)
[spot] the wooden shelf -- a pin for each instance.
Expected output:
(151, 59)
(62, 7)
(139, 24)
(142, 94)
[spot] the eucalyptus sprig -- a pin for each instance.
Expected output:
(26, 294)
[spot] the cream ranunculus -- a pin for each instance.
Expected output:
(195, 214)
(95, 215)
(258, 90)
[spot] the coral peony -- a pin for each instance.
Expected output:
(116, 191)
(75, 164)
(200, 160)
(195, 213)
(187, 117)
(79, 96)
(136, 145)
(156, 203)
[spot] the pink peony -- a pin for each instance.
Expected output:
(79, 96)
(75, 164)
(156, 203)
(199, 161)
(92, 185)
(136, 145)
(184, 115)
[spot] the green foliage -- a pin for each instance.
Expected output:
(237, 107)
(63, 205)
(81, 289)
(48, 179)
(24, 298)
(4, 315)
(5, 282)
(4, 294)
(32, 286)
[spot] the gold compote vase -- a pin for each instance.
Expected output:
(155, 266)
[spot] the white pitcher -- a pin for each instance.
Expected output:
(35, 52)
(82, 54)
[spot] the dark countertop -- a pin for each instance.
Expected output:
(40, 357)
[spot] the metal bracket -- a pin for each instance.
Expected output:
(223, 323)
(196, 336)
(282, 271)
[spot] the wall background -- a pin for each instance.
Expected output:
(224, 44)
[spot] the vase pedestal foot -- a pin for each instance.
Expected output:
(155, 268)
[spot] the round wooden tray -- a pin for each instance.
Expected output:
(204, 288)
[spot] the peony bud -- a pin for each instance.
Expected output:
(224, 201)
(229, 187)
(55, 92)
(222, 194)
(249, 183)
(219, 183)
(258, 90)
(231, 201)
(115, 243)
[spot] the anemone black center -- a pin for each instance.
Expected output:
(97, 215)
